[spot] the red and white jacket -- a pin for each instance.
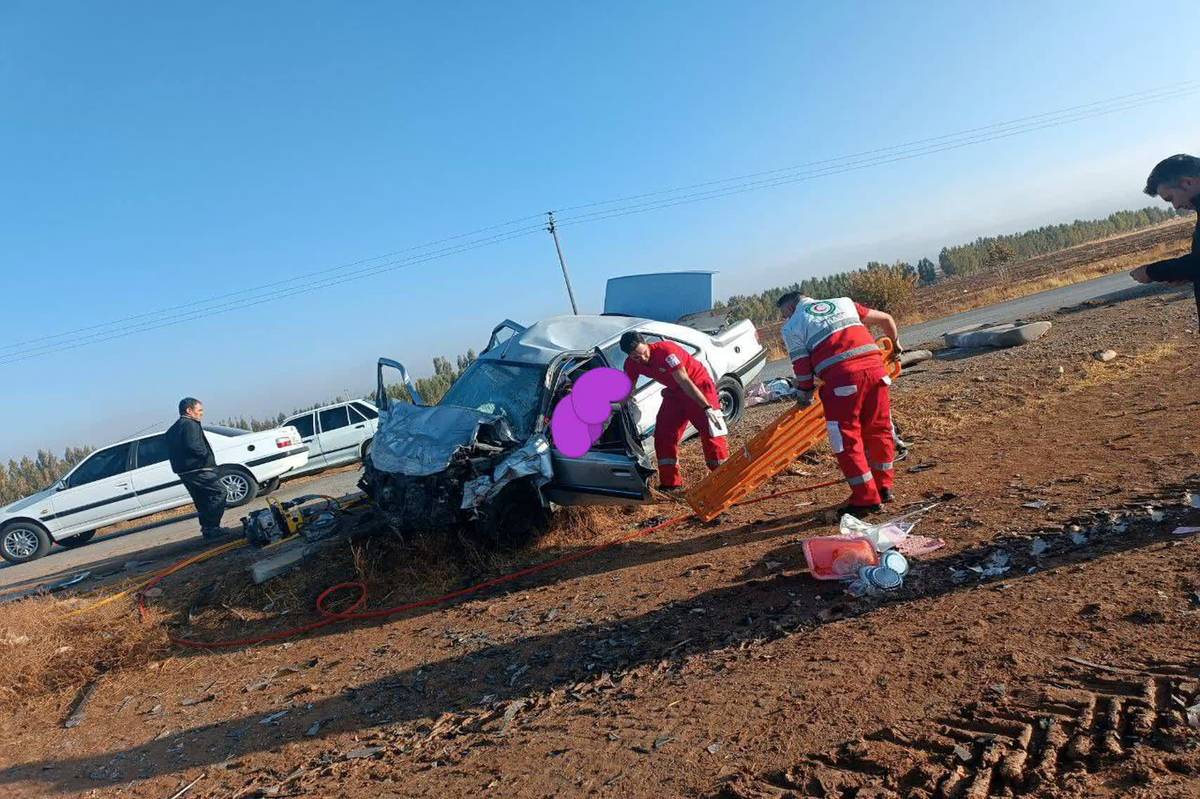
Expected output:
(822, 333)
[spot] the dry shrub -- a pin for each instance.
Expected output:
(45, 651)
(887, 288)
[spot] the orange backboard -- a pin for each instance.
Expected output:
(767, 453)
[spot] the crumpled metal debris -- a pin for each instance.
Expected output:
(531, 459)
(998, 563)
(1038, 546)
(420, 441)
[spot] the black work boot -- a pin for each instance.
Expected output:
(885, 495)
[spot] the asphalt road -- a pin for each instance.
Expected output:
(148, 547)
(1029, 307)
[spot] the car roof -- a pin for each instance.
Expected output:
(542, 341)
(298, 414)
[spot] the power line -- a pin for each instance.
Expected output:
(258, 295)
(737, 178)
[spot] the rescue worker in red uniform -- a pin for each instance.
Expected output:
(829, 339)
(689, 394)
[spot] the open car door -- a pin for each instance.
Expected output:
(616, 470)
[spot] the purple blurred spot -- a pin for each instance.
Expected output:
(595, 392)
(571, 436)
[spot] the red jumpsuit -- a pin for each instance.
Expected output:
(678, 408)
(827, 339)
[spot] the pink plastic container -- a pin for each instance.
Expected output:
(838, 557)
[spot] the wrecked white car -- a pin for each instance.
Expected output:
(482, 456)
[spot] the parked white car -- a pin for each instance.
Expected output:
(335, 434)
(133, 478)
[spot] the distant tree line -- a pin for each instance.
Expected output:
(30, 475)
(892, 288)
(981, 254)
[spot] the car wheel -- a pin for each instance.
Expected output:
(23, 541)
(733, 399)
(240, 487)
(72, 541)
(269, 486)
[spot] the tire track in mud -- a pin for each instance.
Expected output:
(1035, 741)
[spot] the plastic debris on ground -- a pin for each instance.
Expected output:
(769, 391)
(1185, 531)
(871, 558)
(1038, 546)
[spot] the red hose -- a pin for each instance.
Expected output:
(353, 613)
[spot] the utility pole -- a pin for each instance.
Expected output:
(553, 230)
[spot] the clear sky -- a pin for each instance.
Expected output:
(154, 154)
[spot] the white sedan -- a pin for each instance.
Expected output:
(335, 434)
(133, 478)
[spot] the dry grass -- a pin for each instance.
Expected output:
(45, 651)
(1002, 291)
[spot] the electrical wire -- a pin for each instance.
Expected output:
(339, 275)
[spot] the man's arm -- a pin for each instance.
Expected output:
(886, 322)
(1186, 267)
(688, 387)
(193, 440)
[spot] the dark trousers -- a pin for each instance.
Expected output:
(207, 495)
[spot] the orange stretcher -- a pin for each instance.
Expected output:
(769, 452)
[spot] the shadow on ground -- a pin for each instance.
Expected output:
(773, 606)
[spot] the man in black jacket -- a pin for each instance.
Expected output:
(1177, 181)
(192, 459)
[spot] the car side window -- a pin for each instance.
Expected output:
(334, 418)
(365, 410)
(355, 416)
(105, 463)
(151, 450)
(304, 424)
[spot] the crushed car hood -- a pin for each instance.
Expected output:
(32, 499)
(421, 440)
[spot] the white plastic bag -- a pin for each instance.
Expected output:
(716, 422)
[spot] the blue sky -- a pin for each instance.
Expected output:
(154, 154)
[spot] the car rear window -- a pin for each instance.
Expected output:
(222, 430)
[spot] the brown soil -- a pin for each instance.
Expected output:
(700, 661)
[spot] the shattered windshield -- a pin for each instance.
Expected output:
(512, 390)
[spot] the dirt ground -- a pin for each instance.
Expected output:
(700, 661)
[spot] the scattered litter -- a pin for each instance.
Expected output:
(1191, 499)
(1038, 546)
(312, 731)
(510, 713)
(81, 701)
(198, 700)
(366, 751)
(1185, 530)
(770, 391)
(663, 740)
(713, 748)
(874, 580)
(179, 794)
(998, 563)
(1037, 504)
(1193, 716)
(1104, 356)
(1078, 539)
(1155, 514)
(921, 467)
(962, 753)
(838, 557)
(274, 717)
(78, 578)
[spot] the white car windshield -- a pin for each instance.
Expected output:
(511, 390)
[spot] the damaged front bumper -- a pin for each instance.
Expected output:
(437, 467)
